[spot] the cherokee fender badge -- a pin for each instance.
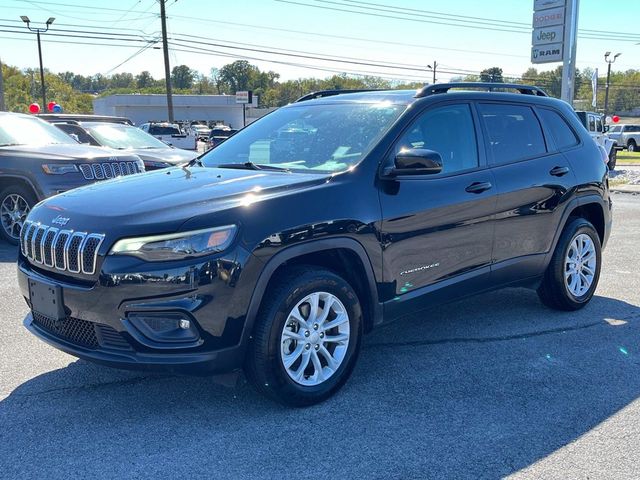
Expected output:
(419, 269)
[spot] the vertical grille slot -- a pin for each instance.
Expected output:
(37, 243)
(47, 246)
(59, 249)
(73, 251)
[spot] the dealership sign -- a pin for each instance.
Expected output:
(547, 39)
(244, 97)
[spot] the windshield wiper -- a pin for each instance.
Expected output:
(252, 166)
(10, 144)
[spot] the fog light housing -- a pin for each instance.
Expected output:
(163, 329)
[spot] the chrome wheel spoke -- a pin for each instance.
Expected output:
(331, 362)
(339, 320)
(340, 338)
(306, 356)
(291, 358)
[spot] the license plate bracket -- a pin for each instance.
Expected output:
(46, 299)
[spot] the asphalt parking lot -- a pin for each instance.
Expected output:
(489, 387)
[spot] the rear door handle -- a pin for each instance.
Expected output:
(478, 187)
(559, 171)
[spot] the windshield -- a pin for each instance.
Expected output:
(19, 130)
(310, 138)
(123, 136)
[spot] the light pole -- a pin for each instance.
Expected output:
(26, 20)
(606, 91)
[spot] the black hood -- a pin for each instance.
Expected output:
(163, 200)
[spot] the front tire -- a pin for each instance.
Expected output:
(307, 337)
(573, 273)
(15, 204)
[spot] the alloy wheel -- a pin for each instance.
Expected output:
(13, 212)
(580, 265)
(315, 338)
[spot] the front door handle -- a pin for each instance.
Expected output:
(559, 171)
(478, 187)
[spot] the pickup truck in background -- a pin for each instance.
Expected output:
(594, 123)
(625, 136)
(171, 134)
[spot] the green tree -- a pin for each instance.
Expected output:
(493, 74)
(182, 77)
(144, 80)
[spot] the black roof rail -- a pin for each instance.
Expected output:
(489, 86)
(331, 93)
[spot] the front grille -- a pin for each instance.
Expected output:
(103, 171)
(66, 250)
(81, 332)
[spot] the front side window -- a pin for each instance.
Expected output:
(558, 127)
(314, 138)
(615, 129)
(448, 130)
(513, 131)
(592, 123)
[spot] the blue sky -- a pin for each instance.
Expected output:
(323, 31)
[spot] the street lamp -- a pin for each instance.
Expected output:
(26, 20)
(435, 64)
(606, 94)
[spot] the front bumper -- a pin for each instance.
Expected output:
(102, 322)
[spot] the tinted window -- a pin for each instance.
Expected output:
(632, 128)
(449, 131)
(598, 124)
(513, 131)
(615, 129)
(554, 123)
(592, 123)
(163, 130)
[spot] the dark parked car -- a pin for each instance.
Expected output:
(219, 134)
(277, 256)
(123, 137)
(37, 161)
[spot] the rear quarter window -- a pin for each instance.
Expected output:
(558, 127)
(513, 132)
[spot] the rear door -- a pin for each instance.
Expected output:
(532, 180)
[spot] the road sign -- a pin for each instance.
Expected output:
(244, 97)
(546, 35)
(551, 52)
(547, 18)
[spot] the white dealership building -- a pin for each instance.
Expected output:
(142, 108)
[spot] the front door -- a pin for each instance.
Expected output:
(438, 227)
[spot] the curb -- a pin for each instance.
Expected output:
(628, 188)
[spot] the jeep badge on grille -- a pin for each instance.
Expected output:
(60, 220)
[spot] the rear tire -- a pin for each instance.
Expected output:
(285, 352)
(613, 158)
(16, 202)
(631, 146)
(573, 273)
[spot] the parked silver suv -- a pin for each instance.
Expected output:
(625, 136)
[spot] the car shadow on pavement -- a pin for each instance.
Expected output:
(481, 388)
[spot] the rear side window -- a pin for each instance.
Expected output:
(513, 132)
(558, 127)
(592, 123)
(599, 124)
(162, 130)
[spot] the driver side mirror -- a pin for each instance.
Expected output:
(416, 161)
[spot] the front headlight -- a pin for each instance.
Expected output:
(59, 168)
(177, 246)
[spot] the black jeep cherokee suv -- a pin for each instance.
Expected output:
(277, 250)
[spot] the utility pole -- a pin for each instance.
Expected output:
(435, 65)
(26, 20)
(2, 106)
(606, 91)
(167, 70)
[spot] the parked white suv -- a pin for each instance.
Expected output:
(594, 123)
(171, 134)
